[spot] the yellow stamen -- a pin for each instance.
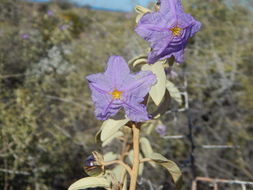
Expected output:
(176, 31)
(116, 94)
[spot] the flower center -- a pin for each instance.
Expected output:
(116, 94)
(176, 31)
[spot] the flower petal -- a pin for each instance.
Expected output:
(134, 93)
(100, 81)
(139, 87)
(179, 56)
(135, 111)
(168, 6)
(117, 70)
(151, 25)
(104, 105)
(105, 109)
(195, 28)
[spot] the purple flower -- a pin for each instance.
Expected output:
(64, 27)
(167, 31)
(161, 130)
(50, 13)
(117, 88)
(171, 73)
(25, 36)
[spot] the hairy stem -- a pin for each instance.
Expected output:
(136, 161)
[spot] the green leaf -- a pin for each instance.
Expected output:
(98, 157)
(163, 106)
(125, 184)
(110, 156)
(131, 157)
(118, 171)
(138, 17)
(115, 135)
(110, 127)
(141, 11)
(174, 92)
(135, 61)
(139, 62)
(158, 90)
(158, 157)
(89, 182)
(146, 148)
(171, 166)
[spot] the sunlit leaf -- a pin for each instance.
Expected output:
(110, 156)
(158, 90)
(163, 106)
(118, 171)
(171, 167)
(137, 60)
(174, 92)
(131, 156)
(90, 182)
(150, 126)
(146, 148)
(115, 135)
(98, 157)
(110, 127)
(125, 184)
(141, 11)
(140, 62)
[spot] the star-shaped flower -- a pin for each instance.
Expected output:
(167, 30)
(117, 88)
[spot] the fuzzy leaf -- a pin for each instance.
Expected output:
(110, 156)
(171, 166)
(89, 182)
(125, 184)
(150, 126)
(174, 92)
(146, 148)
(110, 127)
(138, 17)
(158, 90)
(134, 60)
(115, 135)
(131, 156)
(118, 171)
(141, 11)
(163, 106)
(139, 62)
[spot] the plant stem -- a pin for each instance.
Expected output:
(136, 161)
(121, 163)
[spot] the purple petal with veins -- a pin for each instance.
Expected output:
(167, 31)
(117, 88)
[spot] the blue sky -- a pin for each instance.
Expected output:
(117, 5)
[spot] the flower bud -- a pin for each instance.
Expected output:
(92, 167)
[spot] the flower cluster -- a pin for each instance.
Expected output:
(167, 31)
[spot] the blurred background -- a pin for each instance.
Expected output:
(46, 114)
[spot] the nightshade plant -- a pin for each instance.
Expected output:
(168, 30)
